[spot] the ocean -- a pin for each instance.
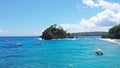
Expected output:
(61, 53)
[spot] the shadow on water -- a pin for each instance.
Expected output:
(9, 46)
(11, 56)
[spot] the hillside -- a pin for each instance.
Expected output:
(114, 33)
(89, 34)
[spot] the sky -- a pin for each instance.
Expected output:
(32, 17)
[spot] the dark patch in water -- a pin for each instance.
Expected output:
(9, 56)
(8, 47)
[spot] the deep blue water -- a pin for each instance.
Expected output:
(65, 53)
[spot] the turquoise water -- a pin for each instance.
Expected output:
(65, 53)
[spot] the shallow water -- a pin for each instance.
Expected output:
(65, 53)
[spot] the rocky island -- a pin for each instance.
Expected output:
(114, 33)
(55, 32)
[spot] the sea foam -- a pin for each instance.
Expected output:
(111, 40)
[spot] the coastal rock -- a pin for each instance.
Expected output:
(111, 36)
(55, 32)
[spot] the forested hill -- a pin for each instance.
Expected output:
(55, 32)
(89, 33)
(114, 32)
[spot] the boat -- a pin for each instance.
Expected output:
(99, 52)
(7, 41)
(37, 43)
(18, 44)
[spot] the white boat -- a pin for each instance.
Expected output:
(37, 43)
(7, 41)
(18, 44)
(99, 51)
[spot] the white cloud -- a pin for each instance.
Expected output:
(102, 21)
(90, 3)
(2, 31)
(109, 5)
(105, 18)
(102, 3)
(84, 26)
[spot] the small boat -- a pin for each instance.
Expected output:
(99, 51)
(7, 42)
(37, 43)
(18, 44)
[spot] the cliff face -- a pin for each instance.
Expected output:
(111, 36)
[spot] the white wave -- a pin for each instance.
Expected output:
(39, 38)
(61, 39)
(73, 38)
(110, 40)
(71, 65)
(65, 39)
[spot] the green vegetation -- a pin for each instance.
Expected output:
(114, 33)
(89, 34)
(54, 32)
